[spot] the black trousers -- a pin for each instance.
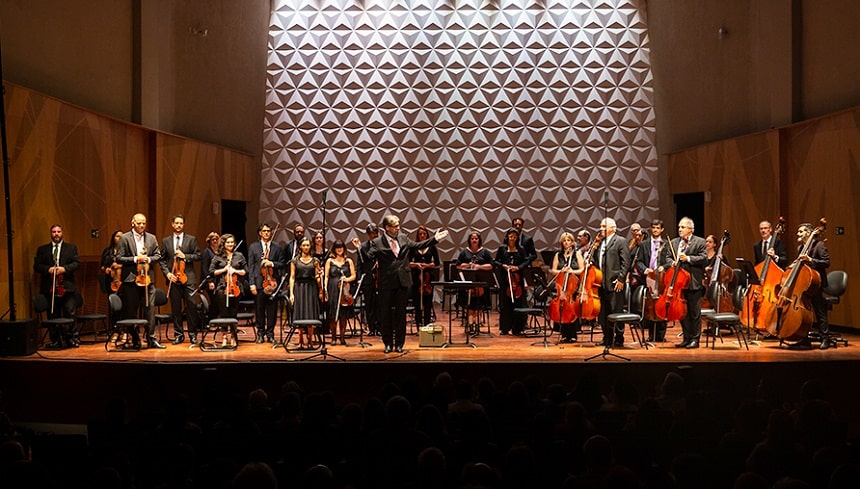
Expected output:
(266, 313)
(392, 315)
(611, 302)
(181, 294)
(691, 324)
(135, 305)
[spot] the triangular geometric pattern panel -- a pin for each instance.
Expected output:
(459, 115)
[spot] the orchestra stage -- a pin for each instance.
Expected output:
(73, 385)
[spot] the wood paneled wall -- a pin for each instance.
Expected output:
(87, 171)
(802, 172)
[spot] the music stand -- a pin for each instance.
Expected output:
(359, 291)
(752, 279)
(487, 277)
(455, 286)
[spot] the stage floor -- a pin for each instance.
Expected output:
(489, 346)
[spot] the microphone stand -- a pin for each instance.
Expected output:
(606, 353)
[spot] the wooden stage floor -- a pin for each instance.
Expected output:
(73, 385)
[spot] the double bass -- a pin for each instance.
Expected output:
(798, 284)
(671, 305)
(722, 280)
(561, 308)
(761, 304)
(587, 304)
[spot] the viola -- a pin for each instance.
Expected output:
(319, 275)
(143, 279)
(346, 299)
(179, 271)
(799, 282)
(233, 289)
(761, 306)
(515, 291)
(269, 282)
(477, 291)
(426, 285)
(115, 277)
(587, 305)
(671, 305)
(59, 289)
(561, 308)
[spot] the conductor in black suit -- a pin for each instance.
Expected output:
(181, 248)
(770, 245)
(526, 242)
(59, 260)
(391, 250)
(613, 259)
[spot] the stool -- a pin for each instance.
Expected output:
(227, 327)
(91, 319)
(302, 323)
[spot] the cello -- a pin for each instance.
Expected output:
(587, 304)
(561, 308)
(798, 284)
(721, 278)
(671, 305)
(762, 301)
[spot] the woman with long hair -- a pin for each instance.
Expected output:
(305, 282)
(339, 274)
(423, 262)
(229, 268)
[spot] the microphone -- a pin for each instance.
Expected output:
(605, 197)
(324, 194)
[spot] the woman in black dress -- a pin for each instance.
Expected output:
(305, 293)
(510, 260)
(339, 274)
(567, 260)
(229, 268)
(475, 257)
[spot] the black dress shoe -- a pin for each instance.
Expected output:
(153, 343)
(825, 344)
(618, 345)
(259, 339)
(270, 339)
(194, 339)
(387, 349)
(803, 344)
(55, 345)
(398, 349)
(179, 339)
(682, 344)
(601, 343)
(692, 344)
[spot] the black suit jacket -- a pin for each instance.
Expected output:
(643, 257)
(779, 248)
(255, 258)
(616, 261)
(698, 254)
(527, 243)
(44, 260)
(127, 255)
(394, 269)
(192, 255)
(820, 260)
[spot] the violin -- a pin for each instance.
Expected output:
(671, 305)
(143, 279)
(233, 289)
(268, 272)
(426, 285)
(115, 273)
(346, 299)
(59, 289)
(561, 308)
(477, 291)
(795, 293)
(319, 274)
(587, 305)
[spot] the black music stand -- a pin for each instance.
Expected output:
(490, 280)
(752, 279)
(357, 314)
(455, 286)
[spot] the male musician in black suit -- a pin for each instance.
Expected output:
(391, 252)
(367, 269)
(525, 241)
(818, 257)
(613, 259)
(265, 254)
(647, 261)
(181, 248)
(770, 245)
(692, 256)
(139, 248)
(583, 243)
(58, 260)
(292, 248)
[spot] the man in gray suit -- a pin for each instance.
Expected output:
(139, 249)
(613, 259)
(692, 257)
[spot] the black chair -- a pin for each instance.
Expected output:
(91, 319)
(125, 333)
(837, 282)
(634, 315)
(729, 321)
(159, 298)
(64, 327)
(227, 327)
